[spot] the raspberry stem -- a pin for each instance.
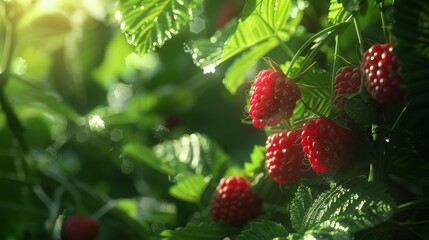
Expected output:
(311, 110)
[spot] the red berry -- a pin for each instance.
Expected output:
(234, 202)
(80, 228)
(273, 98)
(381, 69)
(325, 143)
(347, 81)
(284, 156)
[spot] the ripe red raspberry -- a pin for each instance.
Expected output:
(347, 81)
(325, 143)
(234, 202)
(273, 98)
(284, 156)
(80, 228)
(381, 69)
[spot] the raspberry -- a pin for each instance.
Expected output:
(325, 143)
(284, 156)
(80, 228)
(347, 81)
(234, 202)
(273, 98)
(381, 69)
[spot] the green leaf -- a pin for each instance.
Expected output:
(337, 13)
(412, 48)
(304, 197)
(148, 24)
(33, 94)
(257, 160)
(194, 153)
(204, 231)
(270, 24)
(348, 207)
(147, 156)
(262, 230)
(315, 92)
(190, 188)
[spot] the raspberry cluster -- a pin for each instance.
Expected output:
(321, 142)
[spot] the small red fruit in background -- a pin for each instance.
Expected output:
(80, 228)
(284, 156)
(325, 143)
(347, 81)
(273, 98)
(381, 69)
(234, 202)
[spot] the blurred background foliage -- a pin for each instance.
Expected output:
(82, 93)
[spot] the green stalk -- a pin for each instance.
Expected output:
(334, 68)
(383, 23)
(311, 40)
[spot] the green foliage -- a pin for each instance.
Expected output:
(337, 13)
(411, 46)
(189, 188)
(261, 230)
(150, 23)
(106, 109)
(193, 153)
(346, 208)
(270, 24)
(257, 160)
(201, 231)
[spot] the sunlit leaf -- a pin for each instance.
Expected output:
(148, 24)
(204, 231)
(262, 230)
(41, 27)
(257, 160)
(337, 13)
(270, 24)
(190, 188)
(348, 207)
(194, 153)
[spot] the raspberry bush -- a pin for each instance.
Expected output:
(197, 119)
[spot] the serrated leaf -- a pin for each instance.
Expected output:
(256, 34)
(262, 230)
(148, 24)
(194, 153)
(189, 188)
(302, 201)
(337, 13)
(257, 160)
(204, 231)
(348, 207)
(317, 95)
